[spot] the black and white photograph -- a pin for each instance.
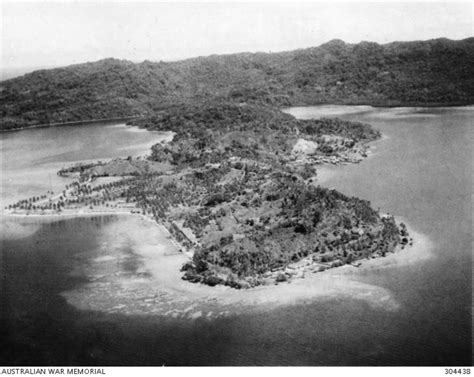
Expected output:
(236, 184)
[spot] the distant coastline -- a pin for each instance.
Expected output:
(72, 123)
(388, 104)
(382, 104)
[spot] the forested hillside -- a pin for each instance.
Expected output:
(401, 73)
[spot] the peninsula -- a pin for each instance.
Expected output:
(237, 188)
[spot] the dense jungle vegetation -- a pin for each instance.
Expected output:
(434, 72)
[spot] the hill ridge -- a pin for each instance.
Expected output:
(433, 72)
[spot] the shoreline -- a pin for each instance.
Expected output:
(336, 103)
(388, 105)
(71, 123)
(163, 292)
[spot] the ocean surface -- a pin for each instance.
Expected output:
(420, 171)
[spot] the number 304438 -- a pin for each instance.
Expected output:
(457, 371)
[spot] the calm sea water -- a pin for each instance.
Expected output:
(30, 159)
(421, 171)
